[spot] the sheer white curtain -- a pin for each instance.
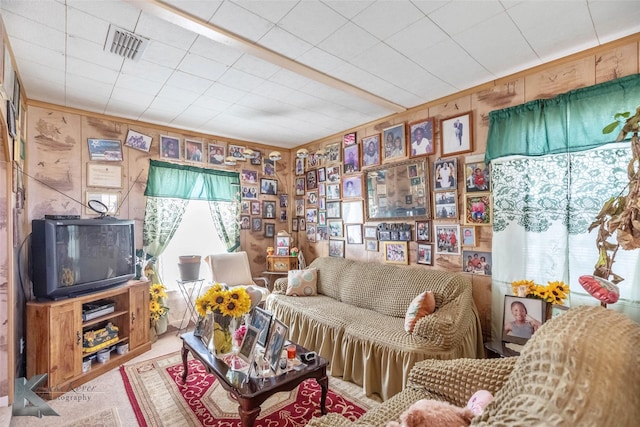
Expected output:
(543, 207)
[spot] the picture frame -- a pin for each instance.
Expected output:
(283, 242)
(300, 186)
(477, 177)
(104, 175)
(256, 224)
(237, 152)
(312, 180)
(477, 262)
(299, 206)
(445, 205)
(268, 209)
(513, 330)
(333, 191)
(354, 234)
(311, 232)
(301, 224)
(245, 222)
(456, 134)
(256, 160)
(11, 119)
(261, 321)
(336, 248)
(269, 229)
(249, 192)
(332, 152)
(299, 166)
(425, 254)
(371, 150)
(284, 200)
(245, 207)
(193, 151)
(447, 238)
(335, 228)
(249, 176)
(268, 186)
(138, 141)
(371, 245)
(256, 209)
(352, 212)
(169, 147)
(294, 224)
(395, 252)
(312, 198)
(248, 345)
(282, 251)
(312, 215)
(478, 209)
(423, 231)
(321, 233)
(268, 167)
(384, 235)
(351, 159)
(371, 232)
(445, 174)
(352, 187)
(333, 174)
(111, 199)
(349, 139)
(334, 210)
(468, 235)
(106, 150)
(204, 329)
(394, 144)
(322, 175)
(420, 136)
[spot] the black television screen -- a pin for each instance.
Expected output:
(73, 257)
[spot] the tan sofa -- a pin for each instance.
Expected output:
(357, 320)
(580, 369)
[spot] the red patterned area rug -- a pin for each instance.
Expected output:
(159, 398)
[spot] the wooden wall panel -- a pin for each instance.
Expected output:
(562, 78)
(616, 63)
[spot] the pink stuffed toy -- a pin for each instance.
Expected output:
(479, 401)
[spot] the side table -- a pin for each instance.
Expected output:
(190, 290)
(276, 275)
(497, 349)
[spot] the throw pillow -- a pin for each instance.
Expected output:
(422, 305)
(302, 283)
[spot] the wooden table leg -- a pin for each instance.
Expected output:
(185, 366)
(324, 384)
(248, 416)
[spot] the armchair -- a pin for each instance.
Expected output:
(233, 270)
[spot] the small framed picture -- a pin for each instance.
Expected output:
(322, 189)
(333, 210)
(283, 241)
(294, 224)
(268, 186)
(446, 204)
(216, 154)
(394, 143)
(268, 209)
(457, 134)
(282, 251)
(522, 317)
(322, 174)
(336, 248)
(351, 159)
(248, 345)
(468, 235)
(447, 239)
(396, 252)
(425, 254)
(299, 205)
(352, 212)
(321, 233)
(477, 177)
(322, 218)
(476, 262)
(423, 231)
(138, 141)
(107, 150)
(249, 176)
(256, 224)
(445, 174)
(349, 139)
(312, 180)
(273, 350)
(421, 137)
(249, 192)
(333, 192)
(335, 228)
(312, 215)
(245, 222)
(311, 232)
(312, 198)
(299, 186)
(299, 166)
(352, 187)
(237, 152)
(255, 207)
(169, 147)
(110, 199)
(333, 174)
(301, 224)
(284, 200)
(371, 150)
(283, 215)
(371, 232)
(193, 150)
(245, 207)
(384, 235)
(477, 209)
(354, 234)
(257, 161)
(371, 245)
(269, 230)
(11, 119)
(332, 152)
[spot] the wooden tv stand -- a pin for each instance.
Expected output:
(55, 330)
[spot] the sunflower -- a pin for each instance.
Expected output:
(154, 306)
(202, 305)
(158, 291)
(530, 285)
(557, 292)
(242, 299)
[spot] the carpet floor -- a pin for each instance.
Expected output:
(159, 398)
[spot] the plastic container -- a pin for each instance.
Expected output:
(122, 348)
(104, 355)
(189, 266)
(86, 365)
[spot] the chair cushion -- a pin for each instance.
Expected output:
(302, 283)
(422, 305)
(230, 268)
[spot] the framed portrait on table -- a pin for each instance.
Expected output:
(261, 320)
(457, 134)
(277, 337)
(522, 317)
(248, 345)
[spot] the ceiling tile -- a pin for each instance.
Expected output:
(189, 82)
(284, 43)
(157, 115)
(215, 51)
(49, 13)
(256, 66)
(146, 70)
(201, 9)
(348, 9)
(273, 90)
(79, 99)
(385, 18)
(289, 79)
(160, 30)
(210, 104)
(131, 96)
(404, 41)
(32, 32)
(348, 41)
(614, 19)
(225, 93)
(119, 108)
(456, 17)
(83, 25)
(95, 72)
(320, 60)
(312, 21)
(240, 21)
(202, 67)
(139, 83)
(92, 52)
(163, 54)
(240, 80)
(121, 12)
(428, 6)
(23, 50)
(91, 88)
(176, 96)
(272, 10)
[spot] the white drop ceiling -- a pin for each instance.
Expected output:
(290, 72)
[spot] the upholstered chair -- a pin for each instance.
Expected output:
(233, 270)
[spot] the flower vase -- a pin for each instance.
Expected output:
(221, 339)
(161, 325)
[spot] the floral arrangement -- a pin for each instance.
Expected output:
(239, 334)
(157, 307)
(554, 292)
(232, 302)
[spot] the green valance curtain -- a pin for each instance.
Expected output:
(570, 122)
(169, 180)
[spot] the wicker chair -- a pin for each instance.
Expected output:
(580, 369)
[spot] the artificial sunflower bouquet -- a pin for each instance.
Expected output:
(555, 292)
(157, 307)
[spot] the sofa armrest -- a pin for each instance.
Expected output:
(280, 285)
(265, 281)
(456, 380)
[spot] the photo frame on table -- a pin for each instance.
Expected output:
(169, 147)
(349, 139)
(300, 186)
(336, 248)
(423, 231)
(261, 320)
(521, 318)
(351, 212)
(445, 204)
(447, 238)
(477, 262)
(456, 134)
(425, 254)
(268, 209)
(371, 150)
(421, 138)
(248, 346)
(394, 144)
(396, 252)
(269, 229)
(336, 228)
(352, 186)
(268, 186)
(107, 150)
(277, 337)
(217, 154)
(468, 235)
(477, 177)
(110, 199)
(351, 159)
(371, 232)
(138, 140)
(282, 251)
(371, 245)
(312, 180)
(334, 210)
(204, 329)
(354, 234)
(332, 152)
(478, 209)
(193, 151)
(283, 242)
(445, 174)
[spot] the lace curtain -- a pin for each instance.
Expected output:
(226, 217)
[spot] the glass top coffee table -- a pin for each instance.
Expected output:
(251, 392)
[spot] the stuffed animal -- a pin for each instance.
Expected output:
(479, 401)
(433, 413)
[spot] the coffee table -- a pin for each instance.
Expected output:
(252, 392)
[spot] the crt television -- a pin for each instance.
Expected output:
(79, 256)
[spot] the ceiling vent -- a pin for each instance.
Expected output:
(124, 43)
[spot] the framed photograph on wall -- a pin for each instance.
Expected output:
(371, 232)
(11, 119)
(299, 166)
(521, 318)
(312, 179)
(333, 210)
(371, 245)
(477, 262)
(169, 147)
(311, 232)
(425, 254)
(371, 150)
(477, 209)
(268, 186)
(108, 150)
(446, 204)
(468, 235)
(110, 199)
(333, 192)
(335, 228)
(477, 177)
(193, 150)
(447, 238)
(332, 152)
(245, 222)
(394, 145)
(104, 175)
(268, 209)
(349, 139)
(354, 234)
(421, 137)
(255, 207)
(336, 248)
(249, 192)
(352, 186)
(300, 186)
(216, 154)
(237, 152)
(333, 174)
(138, 141)
(351, 159)
(423, 231)
(268, 166)
(396, 252)
(256, 224)
(445, 174)
(457, 134)
(351, 212)
(294, 224)
(269, 230)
